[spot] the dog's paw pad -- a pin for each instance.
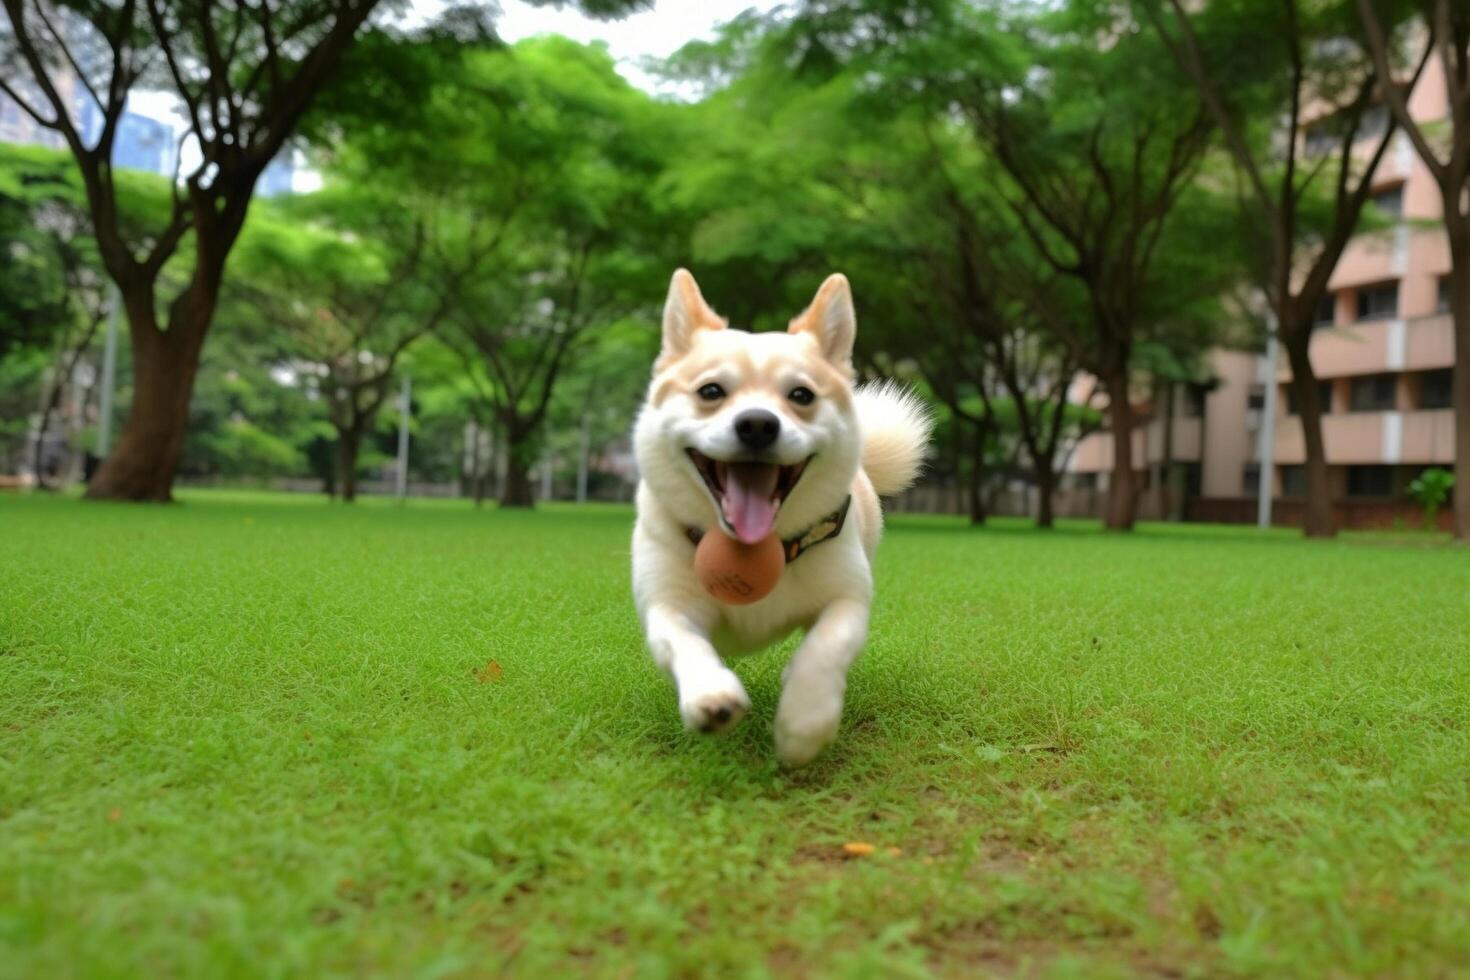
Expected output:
(715, 711)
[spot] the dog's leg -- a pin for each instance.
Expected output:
(816, 680)
(711, 697)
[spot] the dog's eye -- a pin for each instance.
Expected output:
(711, 392)
(801, 395)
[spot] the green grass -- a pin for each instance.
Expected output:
(253, 735)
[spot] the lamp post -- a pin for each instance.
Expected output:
(404, 407)
(1268, 428)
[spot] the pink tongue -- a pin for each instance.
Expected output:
(749, 507)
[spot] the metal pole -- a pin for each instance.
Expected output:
(1268, 429)
(546, 475)
(109, 377)
(404, 407)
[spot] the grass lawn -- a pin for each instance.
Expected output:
(269, 736)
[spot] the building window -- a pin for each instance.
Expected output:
(1378, 302)
(1250, 479)
(1325, 135)
(1192, 405)
(1326, 311)
(1373, 123)
(1194, 480)
(1324, 398)
(1370, 481)
(1374, 393)
(1390, 201)
(1293, 481)
(1321, 138)
(1442, 303)
(1436, 388)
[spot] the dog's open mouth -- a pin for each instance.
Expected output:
(748, 495)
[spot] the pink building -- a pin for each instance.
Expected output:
(1384, 352)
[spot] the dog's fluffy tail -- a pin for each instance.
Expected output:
(895, 425)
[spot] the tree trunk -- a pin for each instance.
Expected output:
(349, 441)
(1122, 496)
(1046, 489)
(515, 490)
(142, 465)
(1318, 522)
(1460, 313)
(38, 459)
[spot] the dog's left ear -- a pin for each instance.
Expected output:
(830, 320)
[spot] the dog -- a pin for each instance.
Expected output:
(742, 434)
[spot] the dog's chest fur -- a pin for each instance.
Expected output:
(833, 568)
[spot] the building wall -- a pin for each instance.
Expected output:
(1231, 426)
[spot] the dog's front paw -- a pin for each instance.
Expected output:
(806, 721)
(714, 705)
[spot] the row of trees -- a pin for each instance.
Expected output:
(1029, 196)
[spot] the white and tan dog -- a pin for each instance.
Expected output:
(743, 433)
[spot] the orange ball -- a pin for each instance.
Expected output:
(735, 573)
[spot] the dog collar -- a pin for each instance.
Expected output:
(793, 547)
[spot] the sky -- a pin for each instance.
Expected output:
(653, 33)
(657, 33)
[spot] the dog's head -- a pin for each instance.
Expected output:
(756, 430)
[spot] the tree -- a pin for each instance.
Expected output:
(1097, 158)
(994, 312)
(245, 75)
(602, 390)
(1261, 66)
(32, 291)
(53, 290)
(555, 235)
(824, 167)
(349, 280)
(47, 286)
(1447, 157)
(1083, 136)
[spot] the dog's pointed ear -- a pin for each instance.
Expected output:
(685, 311)
(830, 320)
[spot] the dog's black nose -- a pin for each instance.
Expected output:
(757, 428)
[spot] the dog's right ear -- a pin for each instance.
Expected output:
(685, 311)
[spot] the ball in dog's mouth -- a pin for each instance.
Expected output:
(747, 493)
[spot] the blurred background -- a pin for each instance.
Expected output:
(1148, 259)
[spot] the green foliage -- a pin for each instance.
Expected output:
(32, 289)
(251, 417)
(1432, 490)
(555, 237)
(246, 451)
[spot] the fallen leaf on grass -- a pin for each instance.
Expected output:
(489, 673)
(114, 815)
(857, 849)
